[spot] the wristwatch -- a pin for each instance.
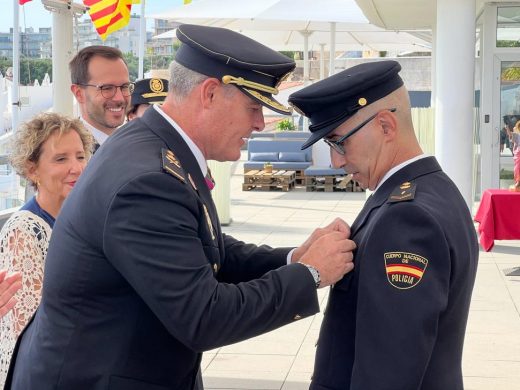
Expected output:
(315, 274)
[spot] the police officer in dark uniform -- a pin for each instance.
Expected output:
(398, 321)
(146, 93)
(139, 278)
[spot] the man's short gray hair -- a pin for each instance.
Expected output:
(183, 80)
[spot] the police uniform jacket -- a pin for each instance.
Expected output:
(397, 321)
(139, 279)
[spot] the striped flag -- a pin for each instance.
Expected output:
(109, 15)
(22, 2)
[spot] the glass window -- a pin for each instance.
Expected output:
(510, 116)
(508, 27)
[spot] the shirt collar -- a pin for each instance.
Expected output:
(98, 135)
(399, 167)
(197, 153)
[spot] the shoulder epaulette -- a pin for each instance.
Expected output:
(171, 164)
(403, 192)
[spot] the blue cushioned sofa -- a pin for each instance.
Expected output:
(281, 153)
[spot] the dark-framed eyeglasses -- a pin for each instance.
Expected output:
(337, 145)
(108, 91)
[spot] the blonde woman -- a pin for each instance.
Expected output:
(50, 151)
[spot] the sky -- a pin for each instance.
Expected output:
(32, 14)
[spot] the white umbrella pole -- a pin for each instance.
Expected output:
(332, 65)
(322, 61)
(15, 99)
(62, 44)
(306, 72)
(306, 56)
(142, 40)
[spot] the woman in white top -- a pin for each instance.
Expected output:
(50, 152)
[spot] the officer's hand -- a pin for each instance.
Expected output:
(337, 225)
(331, 254)
(8, 287)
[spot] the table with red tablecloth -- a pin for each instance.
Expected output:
(499, 217)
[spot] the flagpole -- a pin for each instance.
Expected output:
(62, 50)
(15, 98)
(142, 40)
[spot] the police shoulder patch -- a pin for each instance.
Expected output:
(403, 192)
(171, 164)
(404, 270)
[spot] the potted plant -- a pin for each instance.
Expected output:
(268, 167)
(285, 125)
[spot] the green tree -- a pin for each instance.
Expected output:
(30, 69)
(150, 62)
(508, 43)
(511, 74)
(290, 54)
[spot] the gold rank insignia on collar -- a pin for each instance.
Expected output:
(192, 182)
(208, 221)
(403, 192)
(171, 164)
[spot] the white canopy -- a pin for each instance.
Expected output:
(368, 37)
(283, 24)
(253, 14)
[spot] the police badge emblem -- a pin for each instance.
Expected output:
(156, 85)
(404, 270)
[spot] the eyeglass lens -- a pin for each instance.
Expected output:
(108, 91)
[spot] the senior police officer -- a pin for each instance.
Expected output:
(139, 278)
(398, 321)
(146, 93)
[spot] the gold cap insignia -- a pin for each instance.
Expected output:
(268, 102)
(156, 85)
(362, 102)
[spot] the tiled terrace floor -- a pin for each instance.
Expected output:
(283, 359)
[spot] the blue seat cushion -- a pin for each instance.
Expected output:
(292, 157)
(314, 170)
(264, 156)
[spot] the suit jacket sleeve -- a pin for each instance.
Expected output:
(396, 326)
(244, 262)
(150, 236)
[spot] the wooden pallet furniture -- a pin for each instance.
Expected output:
(299, 175)
(329, 180)
(266, 181)
(283, 154)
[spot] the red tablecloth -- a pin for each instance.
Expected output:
(499, 217)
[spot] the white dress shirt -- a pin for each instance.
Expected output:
(98, 135)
